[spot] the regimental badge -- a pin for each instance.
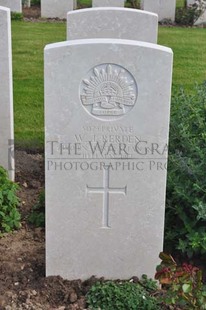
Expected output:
(108, 92)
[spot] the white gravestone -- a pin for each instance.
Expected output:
(75, 4)
(27, 3)
(119, 23)
(202, 19)
(165, 9)
(190, 2)
(101, 3)
(6, 94)
(13, 5)
(107, 104)
(56, 8)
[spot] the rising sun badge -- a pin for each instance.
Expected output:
(108, 92)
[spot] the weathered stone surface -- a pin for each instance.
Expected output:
(119, 23)
(13, 5)
(190, 2)
(165, 9)
(202, 19)
(107, 104)
(6, 94)
(56, 8)
(101, 3)
(75, 4)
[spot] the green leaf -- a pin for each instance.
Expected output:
(186, 288)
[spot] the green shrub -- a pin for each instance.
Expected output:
(35, 2)
(120, 296)
(37, 216)
(9, 215)
(186, 187)
(16, 16)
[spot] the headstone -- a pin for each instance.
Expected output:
(190, 2)
(165, 9)
(75, 4)
(56, 8)
(201, 5)
(108, 3)
(202, 19)
(27, 3)
(6, 94)
(107, 105)
(119, 23)
(13, 5)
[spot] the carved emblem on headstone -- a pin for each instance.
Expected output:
(109, 91)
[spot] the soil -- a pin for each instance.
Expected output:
(32, 12)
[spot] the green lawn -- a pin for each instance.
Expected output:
(180, 3)
(189, 54)
(29, 40)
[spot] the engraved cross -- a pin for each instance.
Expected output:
(106, 190)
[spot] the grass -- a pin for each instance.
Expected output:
(180, 3)
(85, 3)
(189, 54)
(29, 40)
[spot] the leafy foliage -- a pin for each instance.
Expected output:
(37, 216)
(9, 215)
(35, 2)
(16, 16)
(186, 188)
(183, 283)
(122, 296)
